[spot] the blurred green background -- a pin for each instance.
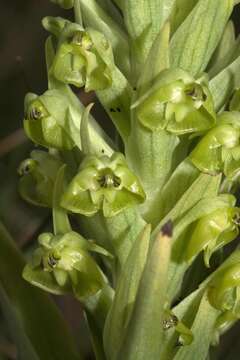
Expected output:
(22, 69)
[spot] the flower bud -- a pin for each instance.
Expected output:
(224, 290)
(213, 231)
(38, 175)
(65, 4)
(62, 263)
(178, 103)
(219, 149)
(83, 58)
(103, 183)
(46, 118)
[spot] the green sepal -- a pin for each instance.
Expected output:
(38, 175)
(213, 231)
(83, 58)
(63, 264)
(178, 103)
(54, 25)
(219, 149)
(103, 183)
(65, 4)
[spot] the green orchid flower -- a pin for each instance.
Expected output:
(178, 103)
(219, 150)
(63, 264)
(83, 58)
(103, 183)
(214, 231)
(224, 290)
(65, 4)
(47, 118)
(38, 175)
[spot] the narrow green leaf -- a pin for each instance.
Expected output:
(33, 316)
(116, 100)
(157, 60)
(84, 132)
(184, 190)
(144, 19)
(224, 53)
(224, 83)
(96, 310)
(61, 223)
(144, 333)
(122, 230)
(196, 39)
(203, 329)
(127, 286)
(181, 10)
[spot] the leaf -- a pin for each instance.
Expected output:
(224, 83)
(33, 317)
(61, 223)
(84, 132)
(181, 10)
(125, 295)
(203, 328)
(194, 42)
(224, 54)
(116, 100)
(185, 189)
(96, 310)
(96, 17)
(157, 60)
(144, 333)
(122, 230)
(144, 19)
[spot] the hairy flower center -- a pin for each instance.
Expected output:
(109, 180)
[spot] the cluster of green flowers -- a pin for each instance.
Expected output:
(117, 193)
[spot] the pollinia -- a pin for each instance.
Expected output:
(141, 218)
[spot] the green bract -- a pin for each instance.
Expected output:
(38, 175)
(63, 264)
(219, 150)
(103, 183)
(83, 58)
(178, 103)
(214, 231)
(46, 119)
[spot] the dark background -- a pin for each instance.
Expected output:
(22, 69)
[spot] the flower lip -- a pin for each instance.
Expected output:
(27, 166)
(82, 39)
(107, 179)
(36, 111)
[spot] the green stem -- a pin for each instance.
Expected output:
(77, 12)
